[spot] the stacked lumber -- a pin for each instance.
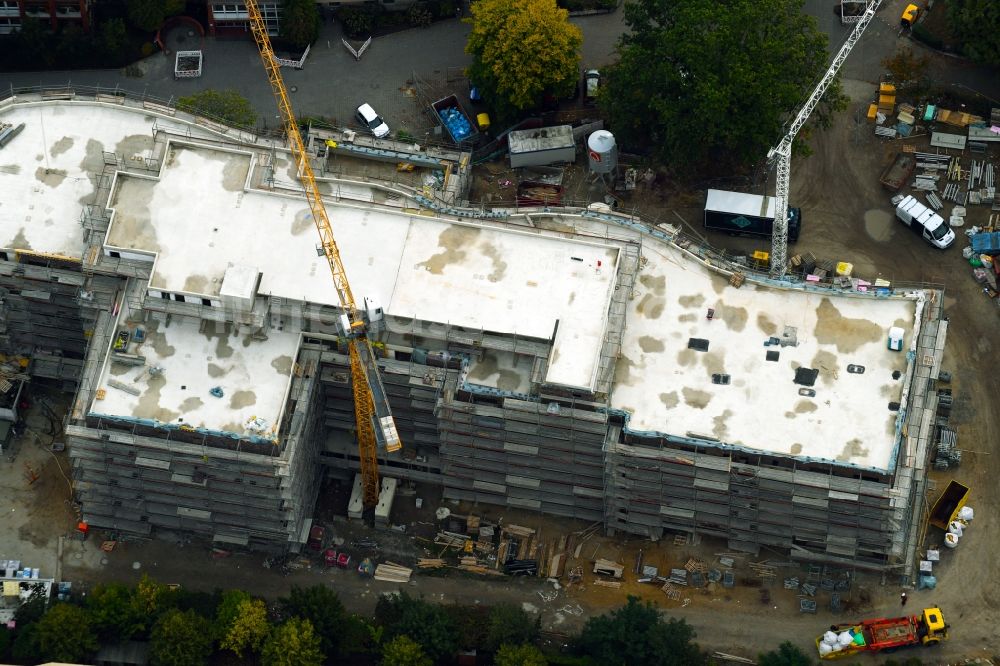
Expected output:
(430, 563)
(695, 565)
(392, 573)
(608, 583)
(450, 540)
(763, 570)
(472, 524)
(608, 568)
(518, 531)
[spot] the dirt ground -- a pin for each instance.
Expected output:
(847, 217)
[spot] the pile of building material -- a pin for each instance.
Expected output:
(608, 568)
(430, 563)
(947, 454)
(392, 573)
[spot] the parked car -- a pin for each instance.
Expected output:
(372, 121)
(316, 534)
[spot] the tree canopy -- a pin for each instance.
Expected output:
(149, 15)
(521, 50)
(64, 634)
(404, 651)
(225, 105)
(701, 82)
(786, 655)
(636, 635)
(977, 24)
(245, 628)
(300, 23)
(322, 607)
(180, 638)
(294, 643)
(510, 624)
(519, 655)
(424, 622)
(114, 614)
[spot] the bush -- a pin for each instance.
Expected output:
(357, 22)
(419, 16)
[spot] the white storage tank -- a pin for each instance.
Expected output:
(602, 152)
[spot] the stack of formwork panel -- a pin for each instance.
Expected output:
(523, 454)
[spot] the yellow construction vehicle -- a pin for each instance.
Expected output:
(375, 425)
(909, 16)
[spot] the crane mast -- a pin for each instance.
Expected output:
(781, 155)
(376, 427)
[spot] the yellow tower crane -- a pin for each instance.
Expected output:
(375, 424)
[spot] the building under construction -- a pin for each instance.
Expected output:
(574, 362)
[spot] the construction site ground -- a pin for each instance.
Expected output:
(847, 217)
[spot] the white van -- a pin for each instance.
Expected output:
(925, 222)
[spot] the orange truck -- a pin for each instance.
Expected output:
(927, 629)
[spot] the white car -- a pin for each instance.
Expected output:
(372, 121)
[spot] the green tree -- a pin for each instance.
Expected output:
(322, 607)
(521, 50)
(424, 622)
(248, 629)
(226, 105)
(519, 655)
(636, 635)
(404, 651)
(149, 15)
(294, 643)
(114, 615)
(786, 655)
(977, 24)
(64, 634)
(180, 638)
(113, 38)
(707, 83)
(300, 23)
(25, 648)
(510, 624)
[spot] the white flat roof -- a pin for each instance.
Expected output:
(254, 375)
(197, 218)
(47, 173)
(668, 388)
(740, 203)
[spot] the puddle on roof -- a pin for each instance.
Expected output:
(20, 242)
(650, 307)
(623, 371)
(669, 400)
(695, 398)
(452, 240)
(853, 449)
(158, 340)
(196, 284)
(650, 344)
(848, 335)
(134, 144)
(149, 402)
(720, 429)
(765, 324)
(796, 449)
(61, 146)
(735, 318)
(486, 369)
(282, 365)
(655, 283)
(191, 404)
(131, 201)
(242, 399)
(687, 357)
(215, 371)
(829, 369)
(692, 301)
(303, 222)
(499, 266)
(714, 362)
(51, 177)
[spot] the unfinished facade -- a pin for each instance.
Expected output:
(575, 362)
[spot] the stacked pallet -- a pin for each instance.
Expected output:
(392, 573)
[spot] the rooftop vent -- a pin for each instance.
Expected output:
(698, 344)
(806, 376)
